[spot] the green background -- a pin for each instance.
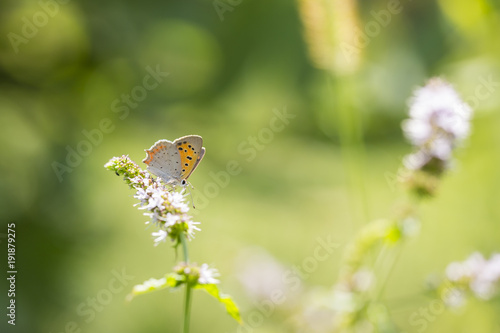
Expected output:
(225, 79)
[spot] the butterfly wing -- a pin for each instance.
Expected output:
(198, 160)
(191, 152)
(164, 161)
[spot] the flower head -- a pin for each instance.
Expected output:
(439, 120)
(166, 208)
(194, 274)
(481, 276)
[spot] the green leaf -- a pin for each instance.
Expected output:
(174, 280)
(226, 300)
(169, 281)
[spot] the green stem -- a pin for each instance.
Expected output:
(187, 301)
(184, 247)
(187, 309)
(352, 145)
(390, 269)
(381, 256)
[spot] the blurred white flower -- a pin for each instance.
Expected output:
(191, 227)
(343, 301)
(154, 218)
(437, 106)
(260, 273)
(454, 297)
(155, 200)
(363, 280)
(161, 236)
(208, 275)
(317, 313)
(170, 219)
(410, 227)
(480, 275)
(492, 269)
(142, 195)
(439, 120)
(467, 269)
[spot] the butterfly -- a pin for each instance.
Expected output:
(175, 161)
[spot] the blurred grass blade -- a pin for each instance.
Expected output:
(328, 27)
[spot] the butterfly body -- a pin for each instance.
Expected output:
(175, 161)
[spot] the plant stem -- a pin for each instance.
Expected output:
(184, 248)
(187, 301)
(187, 309)
(352, 147)
(390, 269)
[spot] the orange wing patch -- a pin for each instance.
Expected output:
(189, 155)
(153, 151)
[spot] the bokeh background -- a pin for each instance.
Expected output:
(231, 67)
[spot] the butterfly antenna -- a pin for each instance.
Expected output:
(191, 194)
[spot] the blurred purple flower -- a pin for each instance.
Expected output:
(439, 120)
(482, 276)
